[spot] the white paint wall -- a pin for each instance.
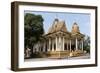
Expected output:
(5, 40)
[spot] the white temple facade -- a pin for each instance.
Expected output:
(58, 38)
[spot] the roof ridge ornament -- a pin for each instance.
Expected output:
(75, 28)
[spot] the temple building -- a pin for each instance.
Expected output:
(59, 41)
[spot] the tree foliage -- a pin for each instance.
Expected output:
(87, 44)
(33, 29)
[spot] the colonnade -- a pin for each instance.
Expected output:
(59, 43)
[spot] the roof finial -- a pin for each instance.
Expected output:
(56, 17)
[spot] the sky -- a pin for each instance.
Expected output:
(82, 19)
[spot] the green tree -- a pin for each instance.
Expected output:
(87, 44)
(33, 29)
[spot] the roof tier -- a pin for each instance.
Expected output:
(57, 26)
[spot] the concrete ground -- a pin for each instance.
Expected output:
(86, 56)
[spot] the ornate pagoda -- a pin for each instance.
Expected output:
(59, 42)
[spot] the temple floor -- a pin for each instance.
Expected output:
(59, 54)
(85, 56)
(63, 54)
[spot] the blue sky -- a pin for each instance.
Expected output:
(82, 19)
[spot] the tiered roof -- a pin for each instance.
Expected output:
(61, 26)
(57, 26)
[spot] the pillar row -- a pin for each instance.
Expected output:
(76, 44)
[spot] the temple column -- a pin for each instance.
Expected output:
(44, 47)
(70, 45)
(52, 45)
(63, 43)
(56, 44)
(59, 43)
(67, 44)
(49, 44)
(76, 44)
(82, 45)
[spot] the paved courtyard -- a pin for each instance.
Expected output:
(86, 56)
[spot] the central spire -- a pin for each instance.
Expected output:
(57, 26)
(56, 21)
